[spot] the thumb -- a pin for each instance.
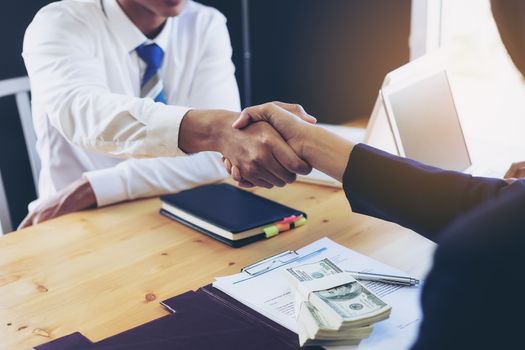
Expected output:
(284, 122)
(243, 120)
(268, 111)
(251, 115)
(298, 110)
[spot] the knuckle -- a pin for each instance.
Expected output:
(266, 140)
(280, 183)
(296, 165)
(236, 175)
(258, 158)
(250, 172)
(307, 168)
(259, 183)
(302, 168)
(265, 106)
(262, 153)
(291, 178)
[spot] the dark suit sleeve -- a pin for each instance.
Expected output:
(422, 198)
(477, 279)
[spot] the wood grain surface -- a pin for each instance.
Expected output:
(103, 271)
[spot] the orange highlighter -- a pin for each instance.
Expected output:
(285, 224)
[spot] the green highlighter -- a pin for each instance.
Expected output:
(285, 224)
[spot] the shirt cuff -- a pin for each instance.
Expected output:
(162, 137)
(108, 186)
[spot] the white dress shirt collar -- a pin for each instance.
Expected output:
(128, 33)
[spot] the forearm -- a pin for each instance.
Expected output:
(414, 195)
(326, 151)
(123, 126)
(139, 178)
(205, 130)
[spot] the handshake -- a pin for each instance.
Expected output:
(265, 145)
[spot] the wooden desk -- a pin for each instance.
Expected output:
(103, 271)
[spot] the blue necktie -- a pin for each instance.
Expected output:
(151, 85)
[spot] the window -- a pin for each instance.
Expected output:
(488, 88)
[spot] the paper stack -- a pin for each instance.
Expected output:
(332, 308)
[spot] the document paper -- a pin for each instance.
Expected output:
(269, 294)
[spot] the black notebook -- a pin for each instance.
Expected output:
(230, 214)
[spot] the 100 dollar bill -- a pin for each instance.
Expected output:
(347, 303)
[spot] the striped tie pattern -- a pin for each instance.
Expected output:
(151, 85)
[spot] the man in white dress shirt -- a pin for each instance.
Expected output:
(108, 80)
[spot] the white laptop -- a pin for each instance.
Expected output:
(415, 117)
(378, 132)
(425, 124)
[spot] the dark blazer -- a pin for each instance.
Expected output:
(474, 297)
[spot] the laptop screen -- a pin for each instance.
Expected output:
(425, 122)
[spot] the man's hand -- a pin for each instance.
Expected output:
(77, 196)
(288, 119)
(323, 150)
(258, 151)
(515, 171)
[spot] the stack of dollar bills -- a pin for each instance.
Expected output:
(331, 307)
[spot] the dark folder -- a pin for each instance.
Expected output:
(205, 319)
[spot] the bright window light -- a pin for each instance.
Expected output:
(488, 88)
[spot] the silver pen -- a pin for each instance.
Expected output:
(390, 279)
